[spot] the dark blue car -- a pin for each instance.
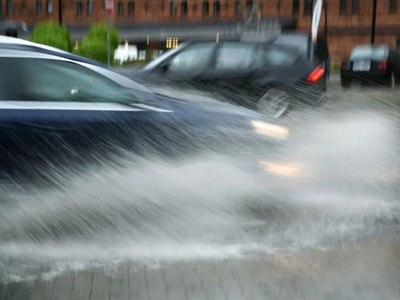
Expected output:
(57, 109)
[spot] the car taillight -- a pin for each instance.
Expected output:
(315, 75)
(382, 65)
(343, 66)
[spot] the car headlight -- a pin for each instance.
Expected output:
(269, 129)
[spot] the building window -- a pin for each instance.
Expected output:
(120, 8)
(172, 9)
(79, 7)
(131, 8)
(194, 8)
(226, 8)
(343, 7)
(146, 7)
(217, 8)
(89, 7)
(184, 8)
(38, 7)
(49, 7)
(238, 8)
(355, 6)
(9, 7)
(295, 7)
(392, 6)
(206, 8)
(307, 7)
(249, 6)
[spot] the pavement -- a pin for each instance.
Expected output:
(364, 269)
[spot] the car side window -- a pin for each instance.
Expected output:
(235, 56)
(278, 57)
(191, 59)
(34, 79)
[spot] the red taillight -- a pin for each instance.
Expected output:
(315, 75)
(382, 65)
(343, 66)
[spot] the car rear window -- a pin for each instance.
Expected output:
(369, 53)
(299, 43)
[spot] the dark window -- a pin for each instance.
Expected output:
(184, 8)
(307, 7)
(193, 59)
(194, 8)
(38, 7)
(89, 5)
(226, 7)
(355, 6)
(238, 8)
(217, 8)
(131, 8)
(120, 8)
(233, 56)
(206, 8)
(146, 7)
(295, 7)
(23, 6)
(162, 7)
(79, 7)
(9, 7)
(49, 7)
(29, 79)
(343, 7)
(392, 6)
(278, 57)
(172, 9)
(278, 5)
(249, 6)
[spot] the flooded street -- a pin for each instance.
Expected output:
(319, 221)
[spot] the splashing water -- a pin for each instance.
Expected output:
(344, 187)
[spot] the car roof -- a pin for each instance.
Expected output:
(20, 44)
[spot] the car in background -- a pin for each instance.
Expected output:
(371, 64)
(57, 111)
(269, 76)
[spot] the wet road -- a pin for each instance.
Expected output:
(322, 222)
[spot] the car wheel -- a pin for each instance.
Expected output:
(274, 103)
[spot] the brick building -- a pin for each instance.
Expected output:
(157, 21)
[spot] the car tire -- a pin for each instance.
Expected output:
(275, 103)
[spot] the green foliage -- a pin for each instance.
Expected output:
(95, 44)
(52, 34)
(96, 50)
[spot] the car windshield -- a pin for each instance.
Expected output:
(163, 57)
(367, 52)
(32, 79)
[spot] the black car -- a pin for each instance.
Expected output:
(371, 64)
(58, 111)
(267, 76)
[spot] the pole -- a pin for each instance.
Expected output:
(373, 23)
(60, 12)
(108, 40)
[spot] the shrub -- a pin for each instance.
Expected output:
(94, 45)
(96, 50)
(52, 34)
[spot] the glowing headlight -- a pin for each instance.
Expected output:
(269, 129)
(292, 170)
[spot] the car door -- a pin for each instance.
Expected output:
(49, 106)
(190, 66)
(233, 69)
